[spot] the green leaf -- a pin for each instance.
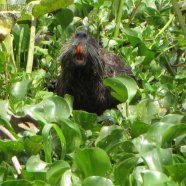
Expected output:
(183, 150)
(24, 183)
(119, 89)
(12, 147)
(92, 161)
(84, 119)
(124, 87)
(98, 181)
(157, 158)
(177, 171)
(4, 105)
(138, 128)
(56, 171)
(35, 164)
(146, 110)
(154, 178)
(72, 134)
(109, 137)
(20, 89)
(172, 118)
(123, 169)
(47, 6)
(158, 135)
(48, 141)
(33, 144)
(130, 84)
(137, 42)
(56, 108)
(52, 109)
(67, 13)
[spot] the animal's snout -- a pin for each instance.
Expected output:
(81, 35)
(79, 48)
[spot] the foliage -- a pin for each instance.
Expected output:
(142, 142)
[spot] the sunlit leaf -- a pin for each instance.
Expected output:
(85, 119)
(56, 171)
(48, 141)
(98, 181)
(123, 169)
(35, 164)
(92, 161)
(20, 89)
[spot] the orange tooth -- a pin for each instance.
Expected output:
(79, 49)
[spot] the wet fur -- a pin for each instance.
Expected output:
(85, 83)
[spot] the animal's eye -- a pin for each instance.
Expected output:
(77, 34)
(84, 35)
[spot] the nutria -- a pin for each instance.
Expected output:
(85, 64)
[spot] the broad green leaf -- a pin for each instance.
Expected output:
(56, 171)
(160, 133)
(35, 164)
(5, 123)
(157, 158)
(2, 173)
(24, 183)
(47, 6)
(98, 181)
(119, 90)
(84, 119)
(4, 105)
(123, 170)
(142, 144)
(146, 110)
(11, 147)
(138, 128)
(72, 134)
(47, 140)
(20, 89)
(183, 150)
(130, 84)
(137, 42)
(7, 21)
(16, 183)
(92, 161)
(109, 137)
(56, 108)
(177, 171)
(172, 118)
(69, 179)
(36, 175)
(33, 144)
(154, 178)
(64, 13)
(52, 109)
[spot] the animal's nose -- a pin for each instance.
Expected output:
(81, 34)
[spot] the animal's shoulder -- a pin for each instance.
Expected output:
(114, 65)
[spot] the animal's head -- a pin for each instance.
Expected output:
(82, 50)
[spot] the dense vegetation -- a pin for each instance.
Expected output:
(142, 142)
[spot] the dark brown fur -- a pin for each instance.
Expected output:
(83, 77)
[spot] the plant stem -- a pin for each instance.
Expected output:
(19, 49)
(134, 12)
(118, 18)
(166, 26)
(127, 109)
(31, 46)
(180, 17)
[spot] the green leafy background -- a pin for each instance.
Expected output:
(142, 142)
